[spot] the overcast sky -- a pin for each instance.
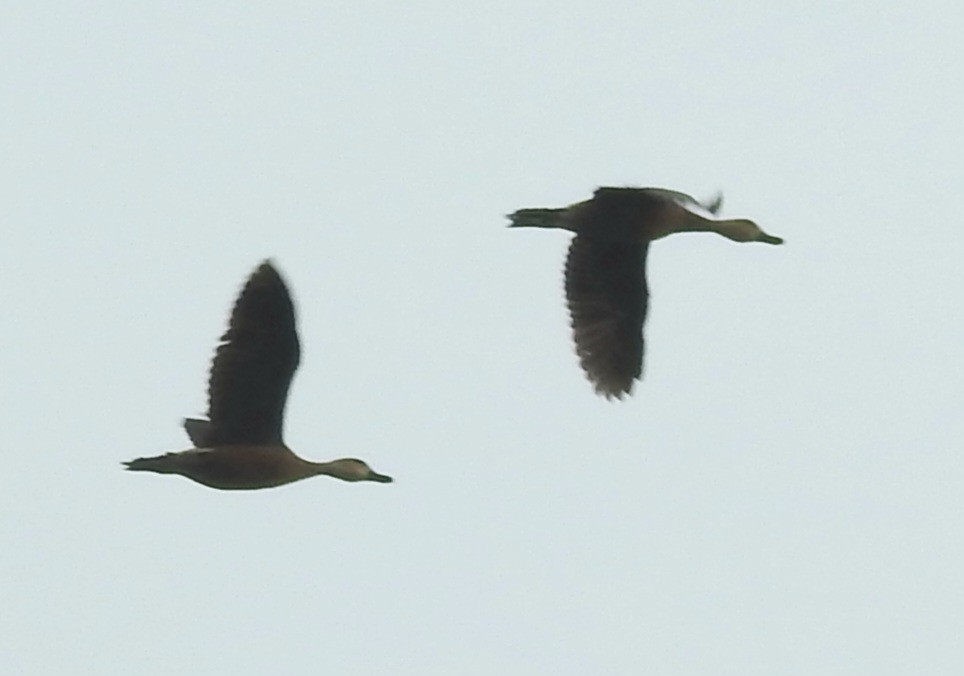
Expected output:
(782, 495)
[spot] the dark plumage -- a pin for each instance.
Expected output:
(241, 444)
(254, 364)
(605, 276)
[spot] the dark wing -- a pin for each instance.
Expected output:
(254, 364)
(608, 298)
(713, 205)
(622, 214)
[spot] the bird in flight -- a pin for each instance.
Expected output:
(605, 276)
(240, 445)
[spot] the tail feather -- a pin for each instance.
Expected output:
(536, 218)
(157, 464)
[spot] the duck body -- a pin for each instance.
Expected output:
(605, 275)
(251, 467)
(240, 446)
(626, 215)
(230, 467)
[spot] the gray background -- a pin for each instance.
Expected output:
(781, 496)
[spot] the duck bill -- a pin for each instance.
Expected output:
(770, 239)
(380, 478)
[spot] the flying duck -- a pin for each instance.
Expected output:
(605, 274)
(240, 445)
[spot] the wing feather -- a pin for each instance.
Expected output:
(254, 364)
(608, 298)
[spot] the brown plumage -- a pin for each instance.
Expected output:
(605, 276)
(240, 445)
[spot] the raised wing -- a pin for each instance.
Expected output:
(608, 298)
(710, 206)
(253, 366)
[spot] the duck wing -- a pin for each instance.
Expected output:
(710, 206)
(253, 367)
(608, 298)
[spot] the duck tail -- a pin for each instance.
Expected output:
(537, 218)
(157, 464)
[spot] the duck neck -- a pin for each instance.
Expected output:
(316, 468)
(737, 229)
(338, 469)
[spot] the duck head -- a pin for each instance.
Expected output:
(353, 469)
(745, 230)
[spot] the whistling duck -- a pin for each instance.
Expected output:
(605, 275)
(240, 445)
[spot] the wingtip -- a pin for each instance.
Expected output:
(617, 392)
(714, 204)
(267, 268)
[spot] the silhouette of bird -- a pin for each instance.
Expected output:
(240, 445)
(605, 276)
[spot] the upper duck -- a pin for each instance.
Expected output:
(240, 445)
(606, 269)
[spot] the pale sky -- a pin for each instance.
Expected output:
(782, 495)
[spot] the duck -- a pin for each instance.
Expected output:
(239, 446)
(605, 272)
